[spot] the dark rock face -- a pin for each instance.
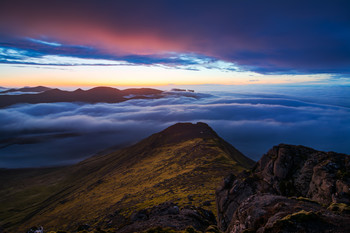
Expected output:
(286, 171)
(272, 213)
(170, 215)
(301, 171)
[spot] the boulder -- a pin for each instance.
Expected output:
(285, 171)
(169, 215)
(264, 213)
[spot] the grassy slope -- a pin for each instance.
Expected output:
(168, 166)
(22, 190)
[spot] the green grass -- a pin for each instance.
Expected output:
(301, 216)
(339, 207)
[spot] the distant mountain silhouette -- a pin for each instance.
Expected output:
(167, 180)
(94, 95)
(27, 89)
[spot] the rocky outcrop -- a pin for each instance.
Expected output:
(301, 171)
(274, 213)
(250, 200)
(169, 215)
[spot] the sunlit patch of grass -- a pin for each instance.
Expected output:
(339, 207)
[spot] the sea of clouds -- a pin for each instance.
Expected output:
(50, 134)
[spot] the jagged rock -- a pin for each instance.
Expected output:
(169, 215)
(301, 171)
(288, 171)
(271, 213)
(233, 191)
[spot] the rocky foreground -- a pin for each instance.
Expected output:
(291, 189)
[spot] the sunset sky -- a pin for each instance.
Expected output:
(179, 42)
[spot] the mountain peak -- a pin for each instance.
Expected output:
(78, 90)
(104, 90)
(186, 127)
(186, 131)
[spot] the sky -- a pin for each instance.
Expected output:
(173, 42)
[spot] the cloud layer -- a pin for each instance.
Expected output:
(64, 133)
(263, 36)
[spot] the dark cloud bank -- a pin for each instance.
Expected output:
(64, 133)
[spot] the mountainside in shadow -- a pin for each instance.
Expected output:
(166, 180)
(94, 95)
(291, 189)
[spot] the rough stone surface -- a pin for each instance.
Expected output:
(285, 171)
(272, 213)
(169, 215)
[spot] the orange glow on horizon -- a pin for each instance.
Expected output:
(135, 76)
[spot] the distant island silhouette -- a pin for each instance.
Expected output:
(93, 95)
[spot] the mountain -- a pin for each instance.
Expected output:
(290, 189)
(166, 180)
(27, 89)
(94, 95)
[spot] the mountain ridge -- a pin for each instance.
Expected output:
(180, 165)
(93, 95)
